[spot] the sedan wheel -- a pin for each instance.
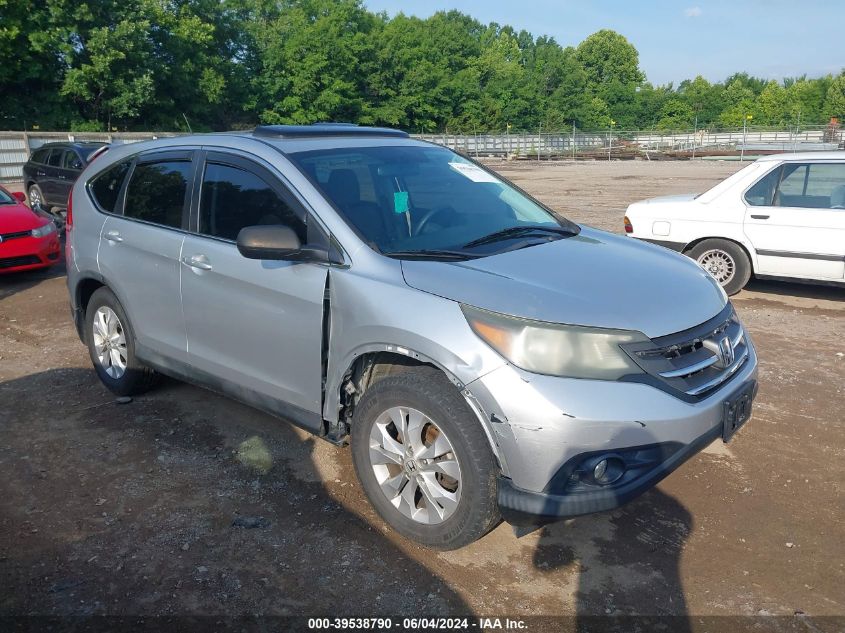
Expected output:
(109, 342)
(415, 465)
(719, 264)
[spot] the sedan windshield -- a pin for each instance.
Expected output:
(428, 202)
(6, 198)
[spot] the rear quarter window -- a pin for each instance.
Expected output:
(105, 187)
(40, 156)
(156, 192)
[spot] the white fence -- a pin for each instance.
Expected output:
(563, 144)
(16, 147)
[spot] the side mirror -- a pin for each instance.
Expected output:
(276, 242)
(268, 242)
(20, 196)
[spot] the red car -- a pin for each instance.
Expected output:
(28, 241)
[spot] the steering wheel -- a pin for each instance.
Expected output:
(423, 221)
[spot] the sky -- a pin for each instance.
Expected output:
(678, 40)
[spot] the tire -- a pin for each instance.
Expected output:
(472, 509)
(35, 197)
(726, 261)
(120, 371)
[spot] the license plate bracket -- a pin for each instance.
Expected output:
(737, 410)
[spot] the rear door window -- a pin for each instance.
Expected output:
(812, 186)
(234, 197)
(56, 157)
(157, 192)
(105, 188)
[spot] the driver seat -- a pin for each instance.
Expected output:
(344, 190)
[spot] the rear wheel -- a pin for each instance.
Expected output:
(726, 262)
(111, 345)
(424, 461)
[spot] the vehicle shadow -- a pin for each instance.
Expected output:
(627, 563)
(793, 289)
(13, 283)
(184, 503)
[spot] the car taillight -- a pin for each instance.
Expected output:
(69, 216)
(629, 228)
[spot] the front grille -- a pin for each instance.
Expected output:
(25, 260)
(696, 361)
(5, 237)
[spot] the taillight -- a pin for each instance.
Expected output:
(629, 228)
(69, 216)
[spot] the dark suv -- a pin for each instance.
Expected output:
(52, 169)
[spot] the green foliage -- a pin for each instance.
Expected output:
(834, 103)
(229, 64)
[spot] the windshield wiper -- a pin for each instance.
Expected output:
(517, 231)
(430, 254)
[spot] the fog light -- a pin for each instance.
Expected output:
(600, 470)
(608, 470)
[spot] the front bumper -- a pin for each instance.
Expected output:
(29, 253)
(544, 426)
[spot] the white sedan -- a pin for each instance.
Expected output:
(783, 216)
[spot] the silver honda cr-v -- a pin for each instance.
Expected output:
(483, 357)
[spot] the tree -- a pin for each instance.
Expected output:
(739, 103)
(113, 77)
(607, 56)
(774, 104)
(315, 58)
(834, 103)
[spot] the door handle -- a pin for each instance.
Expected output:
(760, 217)
(197, 261)
(113, 236)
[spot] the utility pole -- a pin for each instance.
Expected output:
(744, 136)
(539, 141)
(695, 132)
(573, 139)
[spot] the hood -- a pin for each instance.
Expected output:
(675, 199)
(18, 217)
(594, 279)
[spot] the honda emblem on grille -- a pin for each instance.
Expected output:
(726, 352)
(722, 349)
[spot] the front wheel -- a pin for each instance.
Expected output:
(424, 461)
(726, 262)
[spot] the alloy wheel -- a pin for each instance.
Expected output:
(110, 342)
(415, 465)
(719, 264)
(34, 197)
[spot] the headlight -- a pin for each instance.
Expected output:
(41, 231)
(557, 350)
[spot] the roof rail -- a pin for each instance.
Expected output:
(325, 129)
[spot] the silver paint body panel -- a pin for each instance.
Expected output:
(257, 326)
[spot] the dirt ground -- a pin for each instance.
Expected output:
(140, 508)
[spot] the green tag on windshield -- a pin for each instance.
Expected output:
(400, 201)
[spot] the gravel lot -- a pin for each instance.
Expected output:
(183, 502)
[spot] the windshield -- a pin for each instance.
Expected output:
(6, 198)
(406, 200)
